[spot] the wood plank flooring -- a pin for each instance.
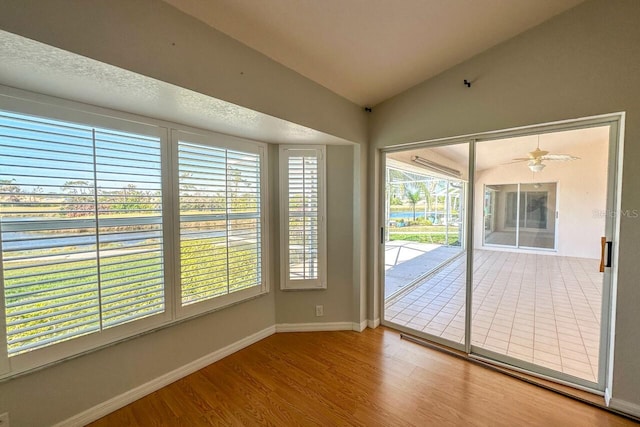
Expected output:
(371, 378)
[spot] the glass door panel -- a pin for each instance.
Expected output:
(537, 219)
(537, 291)
(501, 215)
(425, 259)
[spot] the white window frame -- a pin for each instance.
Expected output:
(42, 356)
(286, 283)
(23, 102)
(231, 143)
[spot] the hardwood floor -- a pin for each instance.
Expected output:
(347, 378)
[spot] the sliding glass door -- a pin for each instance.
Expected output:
(521, 215)
(502, 256)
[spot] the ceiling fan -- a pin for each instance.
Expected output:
(537, 156)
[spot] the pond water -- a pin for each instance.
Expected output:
(18, 240)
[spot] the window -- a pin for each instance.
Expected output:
(81, 221)
(87, 236)
(303, 224)
(220, 211)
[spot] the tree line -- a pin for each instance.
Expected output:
(77, 198)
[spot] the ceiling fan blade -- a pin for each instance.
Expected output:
(559, 157)
(537, 153)
(521, 159)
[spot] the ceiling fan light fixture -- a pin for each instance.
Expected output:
(535, 158)
(536, 167)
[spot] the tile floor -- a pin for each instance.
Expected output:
(542, 309)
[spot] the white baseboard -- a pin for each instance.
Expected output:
(315, 327)
(373, 323)
(626, 407)
(117, 402)
(359, 327)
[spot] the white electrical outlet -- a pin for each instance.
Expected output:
(4, 420)
(319, 310)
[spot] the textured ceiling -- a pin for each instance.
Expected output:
(44, 69)
(370, 50)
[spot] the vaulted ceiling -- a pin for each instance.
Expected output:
(370, 50)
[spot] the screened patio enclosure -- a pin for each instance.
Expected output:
(424, 211)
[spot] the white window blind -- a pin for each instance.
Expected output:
(91, 206)
(81, 229)
(220, 213)
(302, 206)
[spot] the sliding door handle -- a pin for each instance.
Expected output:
(605, 253)
(609, 254)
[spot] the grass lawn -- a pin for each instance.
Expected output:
(57, 298)
(438, 238)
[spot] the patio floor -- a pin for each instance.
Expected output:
(542, 309)
(407, 261)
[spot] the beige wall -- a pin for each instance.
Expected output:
(584, 62)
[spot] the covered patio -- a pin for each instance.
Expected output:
(538, 308)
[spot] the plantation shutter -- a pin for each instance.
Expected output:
(303, 217)
(129, 188)
(220, 220)
(80, 229)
